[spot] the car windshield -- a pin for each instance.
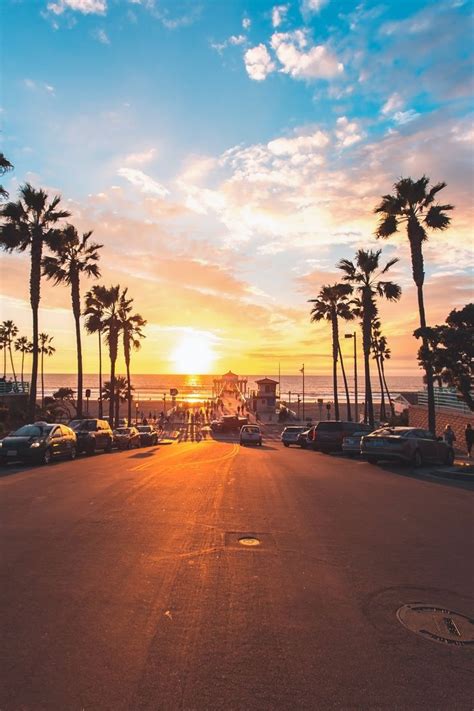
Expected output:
(252, 430)
(144, 428)
(83, 425)
(33, 431)
(123, 430)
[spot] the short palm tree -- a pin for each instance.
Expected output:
(73, 256)
(364, 276)
(131, 326)
(9, 333)
(119, 393)
(23, 346)
(46, 349)
(31, 223)
(94, 306)
(110, 318)
(413, 203)
(332, 303)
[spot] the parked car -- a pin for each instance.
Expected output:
(327, 436)
(351, 443)
(290, 435)
(127, 437)
(92, 435)
(39, 443)
(406, 444)
(148, 435)
(251, 434)
(302, 438)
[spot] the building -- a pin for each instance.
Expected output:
(264, 400)
(229, 383)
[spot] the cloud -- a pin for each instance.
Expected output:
(393, 103)
(299, 144)
(39, 87)
(309, 7)
(101, 36)
(234, 40)
(347, 132)
(279, 14)
(86, 7)
(246, 23)
(302, 61)
(143, 182)
(140, 158)
(258, 62)
(403, 117)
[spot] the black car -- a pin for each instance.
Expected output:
(148, 435)
(38, 443)
(92, 435)
(327, 436)
(302, 438)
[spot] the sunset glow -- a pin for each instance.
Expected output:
(193, 355)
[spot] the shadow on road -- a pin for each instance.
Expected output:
(144, 455)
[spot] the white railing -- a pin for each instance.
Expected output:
(447, 398)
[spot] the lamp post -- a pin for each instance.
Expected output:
(354, 336)
(302, 372)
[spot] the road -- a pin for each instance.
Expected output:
(125, 587)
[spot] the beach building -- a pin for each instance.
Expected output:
(264, 399)
(229, 383)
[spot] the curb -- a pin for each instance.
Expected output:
(454, 473)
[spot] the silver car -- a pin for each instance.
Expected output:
(290, 435)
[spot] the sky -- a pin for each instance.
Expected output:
(228, 154)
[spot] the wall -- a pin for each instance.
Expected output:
(418, 417)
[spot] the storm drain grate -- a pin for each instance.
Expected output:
(249, 541)
(437, 624)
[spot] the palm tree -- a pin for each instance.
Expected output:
(110, 319)
(364, 276)
(94, 305)
(3, 347)
(413, 203)
(31, 223)
(119, 393)
(131, 326)
(5, 166)
(74, 256)
(332, 303)
(376, 335)
(23, 346)
(9, 332)
(46, 349)
(385, 354)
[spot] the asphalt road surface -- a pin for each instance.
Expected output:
(125, 586)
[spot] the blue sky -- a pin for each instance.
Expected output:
(240, 147)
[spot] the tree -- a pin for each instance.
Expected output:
(382, 353)
(364, 276)
(131, 327)
(9, 332)
(332, 303)
(4, 347)
(110, 303)
(413, 203)
(94, 304)
(74, 256)
(450, 351)
(46, 349)
(117, 394)
(31, 223)
(65, 403)
(23, 346)
(5, 166)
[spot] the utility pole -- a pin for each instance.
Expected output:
(302, 371)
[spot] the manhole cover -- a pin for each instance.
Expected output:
(438, 624)
(249, 541)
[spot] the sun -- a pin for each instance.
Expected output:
(193, 354)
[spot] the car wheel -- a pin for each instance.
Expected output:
(72, 454)
(449, 458)
(285, 444)
(46, 458)
(417, 459)
(372, 460)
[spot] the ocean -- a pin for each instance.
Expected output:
(199, 387)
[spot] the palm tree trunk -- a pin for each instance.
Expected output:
(76, 310)
(112, 391)
(428, 368)
(35, 284)
(366, 328)
(22, 364)
(334, 363)
(100, 374)
(392, 408)
(348, 399)
(129, 389)
(383, 414)
(4, 360)
(42, 380)
(11, 361)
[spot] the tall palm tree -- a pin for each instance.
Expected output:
(23, 346)
(46, 349)
(94, 306)
(9, 333)
(413, 203)
(3, 347)
(119, 393)
(364, 276)
(30, 223)
(332, 303)
(131, 325)
(376, 335)
(74, 256)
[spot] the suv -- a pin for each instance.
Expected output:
(92, 435)
(327, 436)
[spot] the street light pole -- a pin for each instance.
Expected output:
(302, 371)
(356, 394)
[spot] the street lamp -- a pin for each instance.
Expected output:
(354, 336)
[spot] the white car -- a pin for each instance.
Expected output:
(251, 434)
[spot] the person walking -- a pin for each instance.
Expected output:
(469, 435)
(449, 436)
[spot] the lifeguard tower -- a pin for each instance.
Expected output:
(265, 398)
